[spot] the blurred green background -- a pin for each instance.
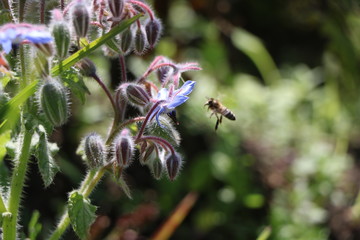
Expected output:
(289, 71)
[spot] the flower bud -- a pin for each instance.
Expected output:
(147, 153)
(153, 30)
(140, 41)
(54, 102)
(123, 148)
(80, 18)
(173, 165)
(156, 168)
(61, 34)
(87, 67)
(94, 148)
(116, 8)
(126, 41)
(135, 93)
(163, 73)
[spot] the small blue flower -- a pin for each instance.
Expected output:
(16, 33)
(170, 99)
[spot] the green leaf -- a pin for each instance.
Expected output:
(253, 47)
(34, 227)
(47, 166)
(81, 214)
(85, 51)
(75, 83)
(124, 186)
(9, 112)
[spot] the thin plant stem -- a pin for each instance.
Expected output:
(62, 4)
(144, 6)
(2, 205)
(61, 227)
(42, 11)
(147, 118)
(121, 103)
(159, 140)
(94, 181)
(121, 126)
(17, 184)
(103, 86)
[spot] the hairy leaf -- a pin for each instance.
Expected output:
(47, 166)
(81, 214)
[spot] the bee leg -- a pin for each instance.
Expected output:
(221, 119)
(218, 121)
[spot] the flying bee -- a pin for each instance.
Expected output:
(217, 108)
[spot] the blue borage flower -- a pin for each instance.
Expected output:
(169, 99)
(16, 33)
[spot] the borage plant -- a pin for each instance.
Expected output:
(39, 101)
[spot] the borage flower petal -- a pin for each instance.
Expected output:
(169, 100)
(16, 33)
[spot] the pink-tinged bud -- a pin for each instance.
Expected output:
(94, 148)
(135, 93)
(140, 41)
(86, 67)
(123, 148)
(54, 102)
(116, 8)
(126, 41)
(147, 153)
(173, 165)
(80, 18)
(153, 30)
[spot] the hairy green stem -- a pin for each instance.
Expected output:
(17, 184)
(87, 186)
(2, 205)
(61, 227)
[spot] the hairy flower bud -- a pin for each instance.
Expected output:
(156, 168)
(147, 153)
(54, 102)
(86, 67)
(173, 165)
(123, 148)
(126, 41)
(135, 93)
(61, 34)
(94, 148)
(116, 8)
(163, 73)
(153, 30)
(140, 41)
(80, 18)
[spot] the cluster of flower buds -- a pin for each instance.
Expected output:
(157, 136)
(144, 35)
